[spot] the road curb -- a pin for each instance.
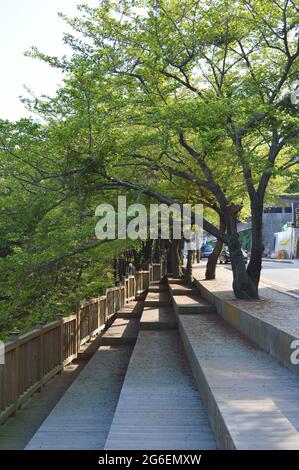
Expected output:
(281, 261)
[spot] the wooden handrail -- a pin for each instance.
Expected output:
(36, 356)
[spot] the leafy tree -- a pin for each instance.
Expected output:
(205, 89)
(172, 101)
(50, 259)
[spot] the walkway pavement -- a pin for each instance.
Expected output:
(253, 401)
(154, 404)
(287, 261)
(159, 406)
(147, 396)
(276, 308)
(82, 418)
(17, 430)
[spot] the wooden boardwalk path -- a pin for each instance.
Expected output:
(158, 318)
(172, 374)
(256, 398)
(159, 405)
(17, 430)
(82, 418)
(252, 400)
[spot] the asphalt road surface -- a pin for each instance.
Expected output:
(282, 273)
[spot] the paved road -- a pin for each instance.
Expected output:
(282, 273)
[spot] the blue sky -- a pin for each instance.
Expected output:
(26, 23)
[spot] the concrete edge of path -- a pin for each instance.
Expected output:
(278, 288)
(270, 260)
(266, 334)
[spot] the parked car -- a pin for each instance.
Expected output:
(224, 257)
(245, 254)
(206, 251)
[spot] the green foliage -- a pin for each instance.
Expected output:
(50, 258)
(145, 81)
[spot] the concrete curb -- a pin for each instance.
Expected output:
(286, 261)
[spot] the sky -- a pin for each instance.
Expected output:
(23, 24)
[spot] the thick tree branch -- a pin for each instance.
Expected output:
(116, 183)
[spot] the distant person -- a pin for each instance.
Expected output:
(131, 269)
(267, 252)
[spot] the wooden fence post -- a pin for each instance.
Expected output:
(126, 290)
(135, 287)
(14, 336)
(150, 270)
(39, 326)
(59, 317)
(99, 312)
(89, 318)
(78, 319)
(106, 305)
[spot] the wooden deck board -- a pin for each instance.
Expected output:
(158, 318)
(154, 299)
(122, 331)
(183, 289)
(191, 304)
(158, 288)
(253, 401)
(131, 310)
(159, 405)
(82, 418)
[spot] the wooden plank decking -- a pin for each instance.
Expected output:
(157, 299)
(122, 331)
(158, 318)
(165, 392)
(159, 406)
(82, 418)
(253, 401)
(131, 310)
(191, 304)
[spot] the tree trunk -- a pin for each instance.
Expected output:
(156, 250)
(244, 286)
(175, 258)
(181, 250)
(213, 258)
(115, 270)
(137, 259)
(255, 264)
(212, 261)
(189, 267)
(147, 249)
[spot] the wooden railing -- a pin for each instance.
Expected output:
(35, 357)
